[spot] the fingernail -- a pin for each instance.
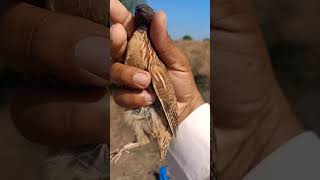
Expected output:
(149, 98)
(92, 54)
(141, 79)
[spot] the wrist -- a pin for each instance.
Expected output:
(270, 128)
(192, 104)
(288, 127)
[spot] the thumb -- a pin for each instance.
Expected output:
(42, 42)
(170, 55)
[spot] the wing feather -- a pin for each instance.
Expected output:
(141, 54)
(164, 89)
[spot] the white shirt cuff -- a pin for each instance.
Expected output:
(189, 154)
(297, 159)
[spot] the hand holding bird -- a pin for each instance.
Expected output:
(176, 63)
(160, 120)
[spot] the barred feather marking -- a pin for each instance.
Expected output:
(164, 89)
(142, 55)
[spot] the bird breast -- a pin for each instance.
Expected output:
(150, 119)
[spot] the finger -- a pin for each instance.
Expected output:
(129, 76)
(94, 10)
(227, 8)
(119, 14)
(249, 78)
(57, 116)
(40, 42)
(168, 52)
(134, 98)
(118, 37)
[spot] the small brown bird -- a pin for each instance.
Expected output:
(158, 121)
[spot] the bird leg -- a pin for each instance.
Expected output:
(116, 154)
(142, 139)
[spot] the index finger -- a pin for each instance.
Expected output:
(120, 14)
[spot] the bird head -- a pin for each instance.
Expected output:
(143, 15)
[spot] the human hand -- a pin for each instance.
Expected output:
(43, 44)
(188, 96)
(251, 115)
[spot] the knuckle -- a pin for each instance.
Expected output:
(121, 75)
(125, 75)
(116, 25)
(165, 50)
(118, 98)
(116, 71)
(128, 99)
(131, 100)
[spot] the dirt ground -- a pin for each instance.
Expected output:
(140, 163)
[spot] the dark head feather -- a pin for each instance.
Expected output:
(143, 15)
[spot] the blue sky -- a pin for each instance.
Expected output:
(185, 17)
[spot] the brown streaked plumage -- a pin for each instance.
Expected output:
(158, 121)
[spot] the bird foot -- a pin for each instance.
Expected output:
(116, 154)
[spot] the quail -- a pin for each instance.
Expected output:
(157, 121)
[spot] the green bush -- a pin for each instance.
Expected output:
(186, 37)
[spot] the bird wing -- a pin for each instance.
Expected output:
(164, 89)
(141, 54)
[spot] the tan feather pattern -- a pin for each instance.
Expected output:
(142, 55)
(164, 89)
(158, 120)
